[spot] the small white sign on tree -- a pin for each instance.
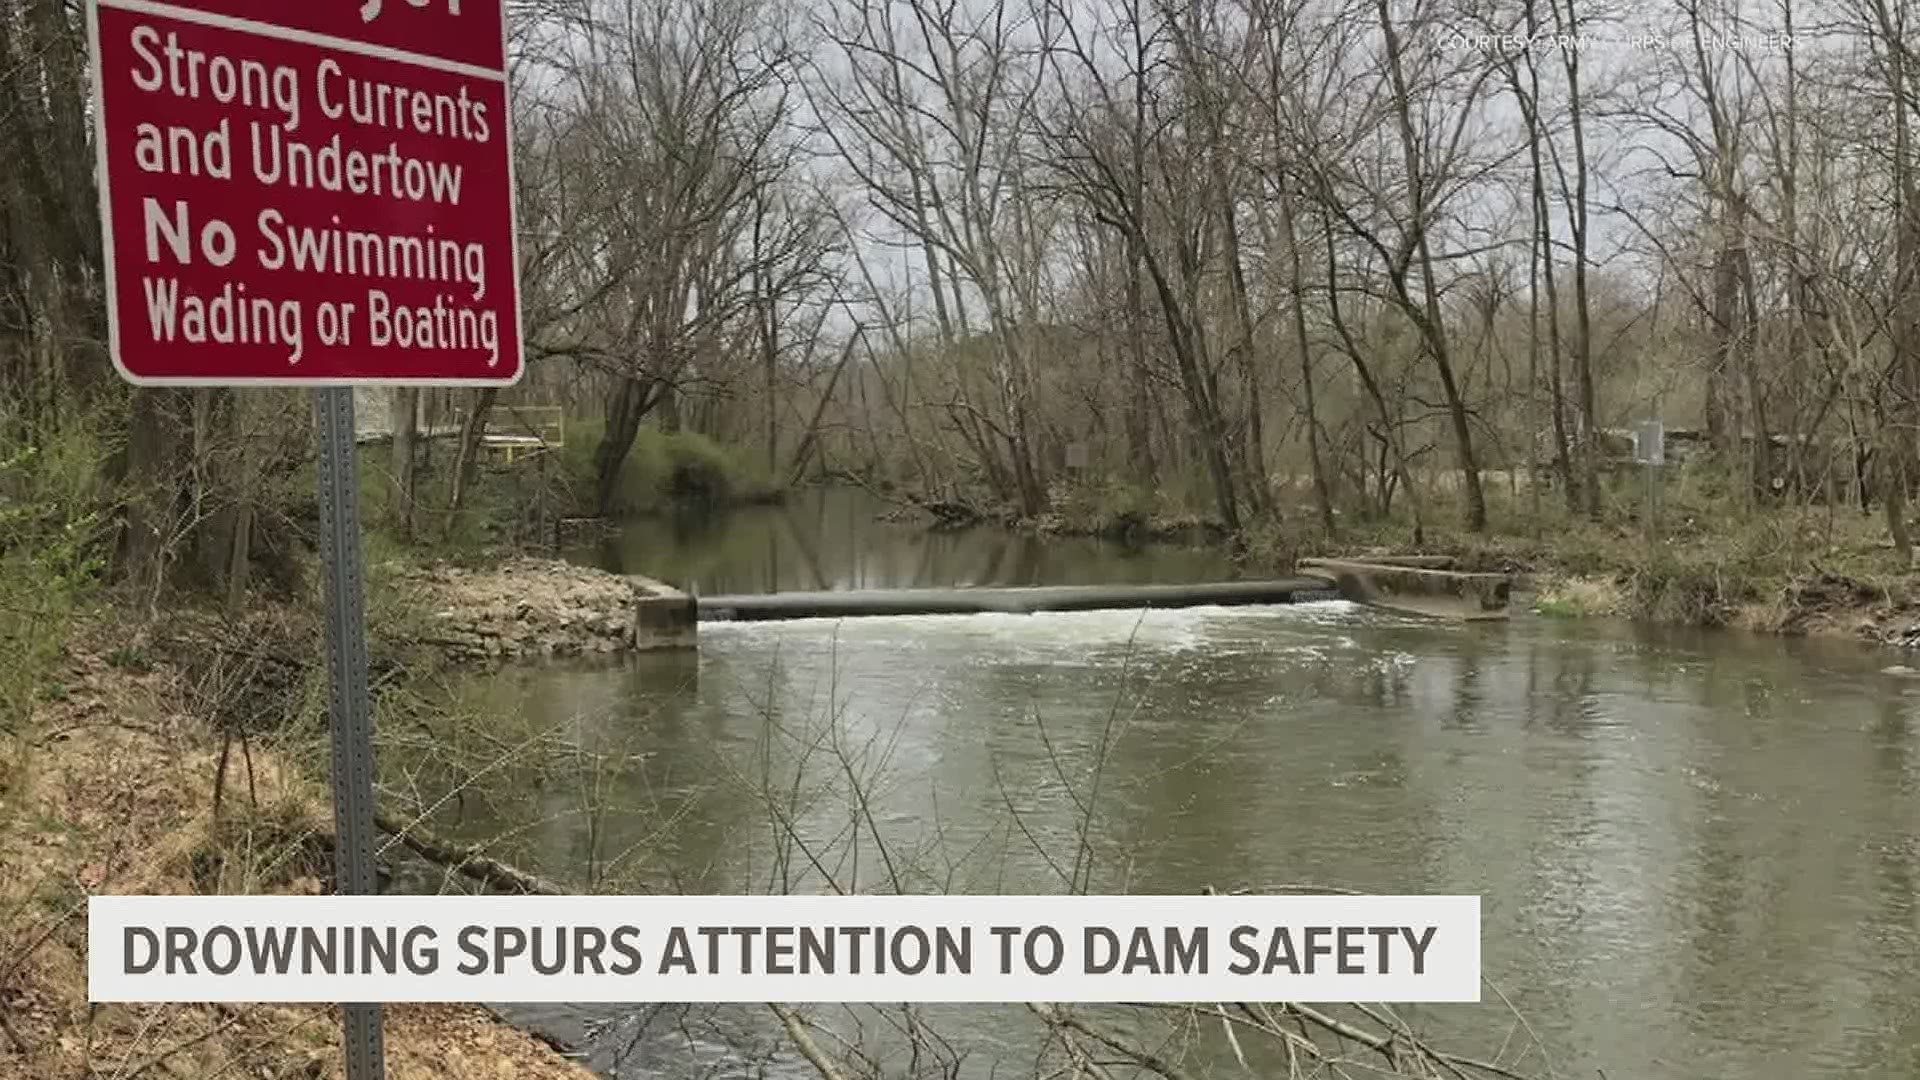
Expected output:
(1650, 443)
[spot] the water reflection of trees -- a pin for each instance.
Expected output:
(1791, 882)
(834, 539)
(1894, 848)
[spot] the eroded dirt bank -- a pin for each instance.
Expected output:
(110, 791)
(1823, 604)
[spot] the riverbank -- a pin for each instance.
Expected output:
(1819, 603)
(1781, 570)
(112, 791)
(528, 608)
(1792, 571)
(1712, 561)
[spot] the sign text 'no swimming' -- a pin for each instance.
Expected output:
(313, 193)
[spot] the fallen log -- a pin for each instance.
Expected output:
(468, 860)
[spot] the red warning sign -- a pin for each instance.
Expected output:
(324, 197)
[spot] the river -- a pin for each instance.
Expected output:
(1698, 852)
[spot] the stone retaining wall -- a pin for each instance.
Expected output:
(1407, 585)
(663, 616)
(530, 608)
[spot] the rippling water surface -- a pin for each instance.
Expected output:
(1697, 852)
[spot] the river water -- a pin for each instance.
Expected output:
(1698, 852)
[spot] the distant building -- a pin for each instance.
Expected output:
(373, 413)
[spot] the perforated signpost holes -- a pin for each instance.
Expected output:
(319, 195)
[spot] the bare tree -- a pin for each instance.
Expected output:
(930, 108)
(1126, 147)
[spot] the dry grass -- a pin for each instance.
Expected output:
(1580, 597)
(111, 794)
(1715, 557)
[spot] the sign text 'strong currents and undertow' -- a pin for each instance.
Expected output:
(322, 201)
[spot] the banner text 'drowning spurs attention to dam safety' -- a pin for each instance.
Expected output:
(325, 199)
(785, 948)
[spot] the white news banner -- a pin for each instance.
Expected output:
(802, 949)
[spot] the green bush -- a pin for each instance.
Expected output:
(1559, 608)
(1689, 592)
(1103, 508)
(51, 531)
(698, 472)
(666, 471)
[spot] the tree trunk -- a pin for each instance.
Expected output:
(1898, 437)
(149, 495)
(1430, 323)
(1533, 361)
(1582, 320)
(1139, 378)
(1259, 488)
(239, 561)
(464, 457)
(770, 358)
(1209, 425)
(627, 406)
(1297, 293)
(1388, 420)
(404, 410)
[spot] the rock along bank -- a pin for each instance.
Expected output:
(538, 608)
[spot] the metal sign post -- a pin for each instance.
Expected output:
(219, 270)
(1650, 450)
(351, 703)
